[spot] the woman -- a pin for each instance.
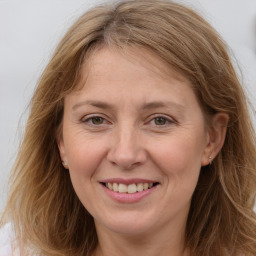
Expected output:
(139, 142)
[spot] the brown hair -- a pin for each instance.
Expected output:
(48, 216)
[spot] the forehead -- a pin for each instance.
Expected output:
(135, 77)
(144, 58)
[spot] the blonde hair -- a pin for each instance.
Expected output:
(48, 216)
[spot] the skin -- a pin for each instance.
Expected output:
(111, 130)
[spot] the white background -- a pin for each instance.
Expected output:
(30, 29)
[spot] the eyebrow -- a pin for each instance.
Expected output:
(160, 104)
(94, 103)
(146, 106)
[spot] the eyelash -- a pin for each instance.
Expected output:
(167, 120)
(89, 120)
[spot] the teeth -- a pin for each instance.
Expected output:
(140, 187)
(131, 188)
(115, 187)
(145, 186)
(110, 186)
(122, 188)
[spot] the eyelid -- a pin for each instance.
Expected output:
(167, 117)
(86, 118)
(169, 120)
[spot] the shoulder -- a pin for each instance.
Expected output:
(8, 244)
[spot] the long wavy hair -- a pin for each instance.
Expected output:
(47, 215)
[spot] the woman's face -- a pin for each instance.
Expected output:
(134, 140)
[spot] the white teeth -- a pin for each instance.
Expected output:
(145, 186)
(115, 187)
(110, 186)
(140, 187)
(131, 188)
(122, 188)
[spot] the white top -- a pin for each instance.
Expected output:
(7, 241)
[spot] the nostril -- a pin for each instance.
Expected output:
(125, 162)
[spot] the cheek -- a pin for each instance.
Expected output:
(179, 158)
(84, 156)
(183, 149)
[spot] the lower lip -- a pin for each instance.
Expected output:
(129, 198)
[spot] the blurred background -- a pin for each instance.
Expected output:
(30, 30)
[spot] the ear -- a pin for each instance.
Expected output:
(215, 137)
(62, 152)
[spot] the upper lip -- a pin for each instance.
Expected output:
(128, 181)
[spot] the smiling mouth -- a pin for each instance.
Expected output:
(129, 189)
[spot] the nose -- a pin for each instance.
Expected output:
(127, 149)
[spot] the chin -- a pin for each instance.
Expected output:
(129, 224)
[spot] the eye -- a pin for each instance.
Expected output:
(160, 120)
(97, 120)
(94, 120)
